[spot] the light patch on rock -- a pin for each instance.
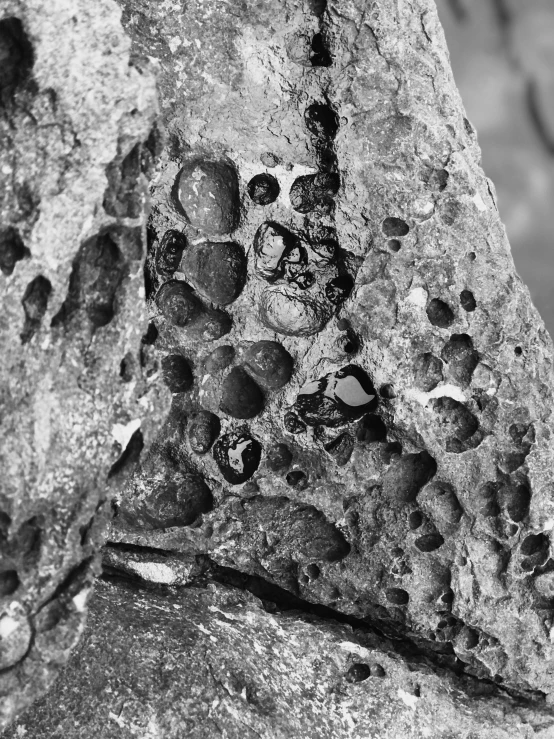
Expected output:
(122, 432)
(409, 699)
(443, 391)
(7, 626)
(418, 297)
(153, 572)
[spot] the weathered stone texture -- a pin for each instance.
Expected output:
(212, 663)
(76, 152)
(383, 257)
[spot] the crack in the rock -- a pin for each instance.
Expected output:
(276, 599)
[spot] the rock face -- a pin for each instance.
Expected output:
(336, 154)
(77, 145)
(181, 664)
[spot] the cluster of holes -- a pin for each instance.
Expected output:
(394, 229)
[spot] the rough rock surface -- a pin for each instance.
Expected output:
(212, 663)
(76, 152)
(418, 489)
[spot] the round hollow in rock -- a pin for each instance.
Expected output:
(238, 456)
(263, 189)
(395, 227)
(176, 373)
(440, 314)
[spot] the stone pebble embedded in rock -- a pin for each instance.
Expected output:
(170, 252)
(15, 635)
(203, 430)
(238, 456)
(270, 363)
(241, 397)
(337, 398)
(207, 192)
(219, 359)
(217, 270)
(179, 502)
(178, 303)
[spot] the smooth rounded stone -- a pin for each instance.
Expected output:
(176, 373)
(270, 363)
(177, 303)
(442, 502)
(217, 270)
(238, 456)
(263, 189)
(170, 252)
(241, 397)
(178, 502)
(219, 359)
(272, 244)
(291, 313)
(212, 324)
(207, 192)
(203, 430)
(15, 635)
(279, 457)
(337, 398)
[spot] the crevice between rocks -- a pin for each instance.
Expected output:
(280, 601)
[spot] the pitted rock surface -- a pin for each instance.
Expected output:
(382, 251)
(77, 144)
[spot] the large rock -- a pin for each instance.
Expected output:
(203, 663)
(397, 277)
(76, 151)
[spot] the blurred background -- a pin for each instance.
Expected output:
(502, 53)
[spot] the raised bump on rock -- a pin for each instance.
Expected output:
(270, 363)
(203, 430)
(177, 303)
(217, 270)
(241, 397)
(207, 194)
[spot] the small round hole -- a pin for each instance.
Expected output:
(394, 245)
(472, 256)
(518, 351)
(297, 479)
